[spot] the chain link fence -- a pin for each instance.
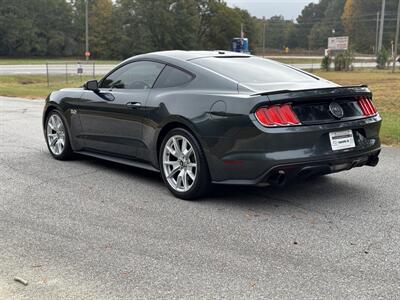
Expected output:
(68, 72)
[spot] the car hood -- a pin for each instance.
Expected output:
(257, 88)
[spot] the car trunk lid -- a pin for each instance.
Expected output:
(314, 106)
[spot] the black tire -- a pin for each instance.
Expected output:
(202, 182)
(67, 152)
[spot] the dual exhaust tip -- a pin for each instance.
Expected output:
(278, 178)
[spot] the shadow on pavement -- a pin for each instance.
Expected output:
(331, 189)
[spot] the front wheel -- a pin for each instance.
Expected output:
(183, 165)
(57, 138)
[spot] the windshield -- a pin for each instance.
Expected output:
(253, 70)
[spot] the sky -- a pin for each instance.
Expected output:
(290, 9)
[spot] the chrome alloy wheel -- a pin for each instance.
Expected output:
(179, 163)
(55, 134)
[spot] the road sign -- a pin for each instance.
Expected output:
(79, 69)
(338, 43)
(87, 53)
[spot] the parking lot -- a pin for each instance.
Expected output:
(90, 229)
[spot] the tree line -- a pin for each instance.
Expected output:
(318, 21)
(118, 29)
(122, 28)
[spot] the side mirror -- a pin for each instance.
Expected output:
(91, 85)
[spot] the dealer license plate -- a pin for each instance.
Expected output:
(342, 140)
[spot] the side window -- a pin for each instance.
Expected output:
(171, 77)
(137, 75)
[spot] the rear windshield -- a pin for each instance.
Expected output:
(252, 69)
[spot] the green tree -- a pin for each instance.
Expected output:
(133, 34)
(317, 22)
(39, 27)
(280, 33)
(291, 33)
(54, 24)
(359, 20)
(224, 25)
(330, 24)
(312, 14)
(186, 22)
(120, 28)
(18, 39)
(355, 13)
(101, 29)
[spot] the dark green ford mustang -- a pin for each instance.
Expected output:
(215, 117)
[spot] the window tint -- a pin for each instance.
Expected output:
(252, 70)
(171, 77)
(137, 75)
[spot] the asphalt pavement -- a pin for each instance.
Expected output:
(89, 229)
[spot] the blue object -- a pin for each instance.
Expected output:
(240, 45)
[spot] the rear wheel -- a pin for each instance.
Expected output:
(183, 165)
(57, 138)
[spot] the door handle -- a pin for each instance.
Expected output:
(134, 104)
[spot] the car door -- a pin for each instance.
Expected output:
(167, 88)
(112, 118)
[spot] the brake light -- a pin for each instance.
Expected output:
(367, 106)
(277, 115)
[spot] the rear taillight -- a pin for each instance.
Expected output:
(367, 107)
(277, 115)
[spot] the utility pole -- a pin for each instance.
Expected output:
(377, 33)
(264, 37)
(382, 23)
(396, 43)
(87, 28)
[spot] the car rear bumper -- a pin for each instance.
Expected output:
(261, 155)
(282, 174)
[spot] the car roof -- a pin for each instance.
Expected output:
(190, 55)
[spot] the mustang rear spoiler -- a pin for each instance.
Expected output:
(316, 94)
